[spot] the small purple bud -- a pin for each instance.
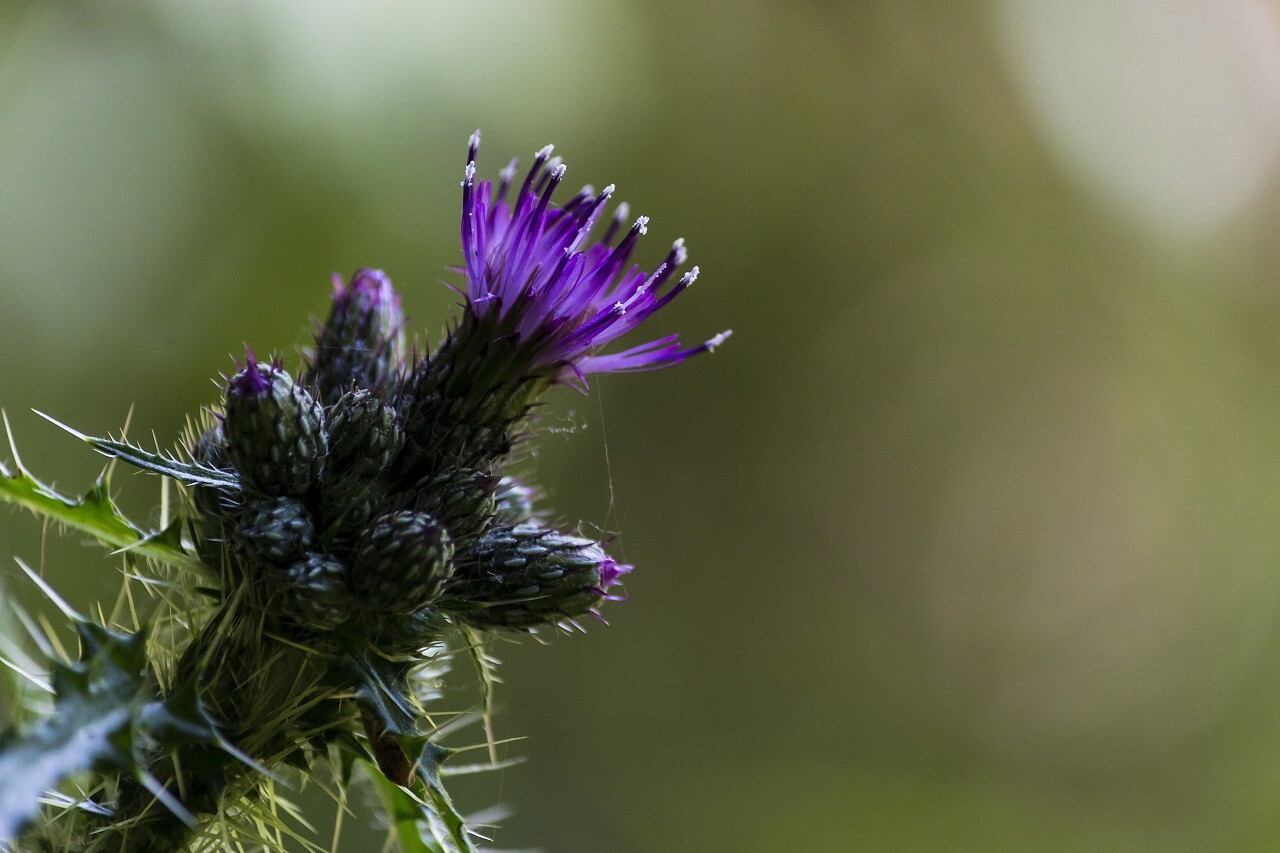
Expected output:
(611, 573)
(361, 344)
(253, 379)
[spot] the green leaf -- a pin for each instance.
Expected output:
(108, 716)
(446, 824)
(92, 727)
(405, 813)
(68, 743)
(96, 514)
(487, 670)
(381, 691)
(191, 473)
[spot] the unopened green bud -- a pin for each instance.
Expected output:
(364, 440)
(273, 532)
(461, 499)
(401, 562)
(314, 593)
(524, 576)
(364, 435)
(275, 430)
(361, 344)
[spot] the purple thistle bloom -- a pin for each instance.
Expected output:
(534, 272)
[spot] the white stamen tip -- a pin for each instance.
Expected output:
(470, 174)
(642, 224)
(475, 139)
(558, 171)
(718, 340)
(608, 191)
(691, 276)
(680, 253)
(545, 151)
(619, 307)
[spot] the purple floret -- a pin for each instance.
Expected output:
(534, 269)
(611, 572)
(254, 378)
(368, 287)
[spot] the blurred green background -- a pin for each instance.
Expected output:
(965, 541)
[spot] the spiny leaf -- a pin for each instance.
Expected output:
(405, 813)
(96, 514)
(191, 473)
(381, 691)
(64, 744)
(92, 727)
(486, 668)
(108, 716)
(446, 824)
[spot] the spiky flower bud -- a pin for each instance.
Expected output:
(275, 430)
(525, 576)
(364, 439)
(401, 562)
(364, 434)
(362, 341)
(315, 593)
(461, 499)
(347, 504)
(460, 410)
(273, 532)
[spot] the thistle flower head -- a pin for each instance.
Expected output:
(361, 343)
(537, 274)
(525, 576)
(274, 429)
(348, 523)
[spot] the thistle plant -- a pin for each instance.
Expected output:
(348, 529)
